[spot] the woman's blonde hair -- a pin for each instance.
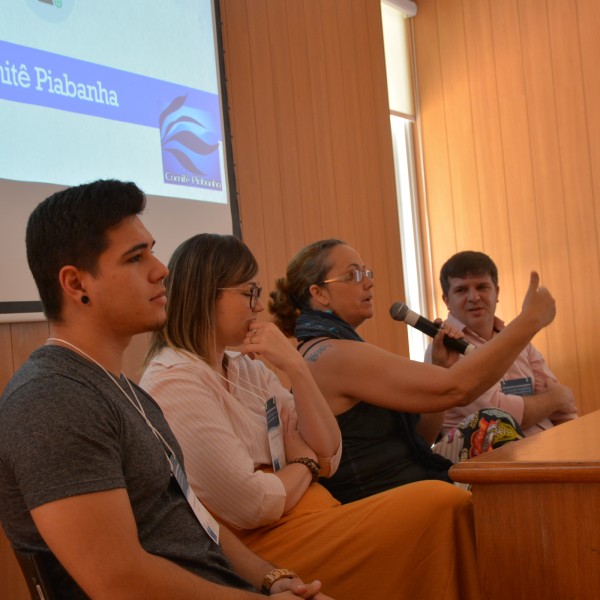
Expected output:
(198, 268)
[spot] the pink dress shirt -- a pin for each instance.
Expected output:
(223, 432)
(529, 363)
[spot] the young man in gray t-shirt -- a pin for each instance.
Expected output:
(86, 457)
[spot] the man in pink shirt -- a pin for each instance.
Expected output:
(528, 391)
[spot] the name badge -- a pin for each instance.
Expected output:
(517, 387)
(275, 434)
(205, 519)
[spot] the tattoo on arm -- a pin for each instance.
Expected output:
(314, 355)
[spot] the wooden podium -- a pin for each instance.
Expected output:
(537, 514)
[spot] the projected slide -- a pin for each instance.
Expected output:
(100, 89)
(112, 88)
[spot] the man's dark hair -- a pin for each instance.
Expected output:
(69, 228)
(467, 263)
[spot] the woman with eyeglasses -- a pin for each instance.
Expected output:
(376, 395)
(260, 477)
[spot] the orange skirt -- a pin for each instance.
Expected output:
(414, 541)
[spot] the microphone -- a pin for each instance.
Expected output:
(400, 312)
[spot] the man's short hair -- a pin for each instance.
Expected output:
(467, 263)
(69, 228)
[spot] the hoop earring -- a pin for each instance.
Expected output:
(85, 299)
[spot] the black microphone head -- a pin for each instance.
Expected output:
(398, 311)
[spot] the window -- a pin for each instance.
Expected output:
(397, 42)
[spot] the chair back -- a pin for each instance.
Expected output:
(36, 575)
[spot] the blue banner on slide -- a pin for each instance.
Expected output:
(187, 120)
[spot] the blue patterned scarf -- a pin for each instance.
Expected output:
(317, 323)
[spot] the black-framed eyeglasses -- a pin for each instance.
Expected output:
(253, 293)
(353, 276)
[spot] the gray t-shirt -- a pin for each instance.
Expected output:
(66, 429)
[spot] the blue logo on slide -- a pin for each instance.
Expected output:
(53, 11)
(190, 145)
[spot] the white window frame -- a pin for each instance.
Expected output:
(402, 119)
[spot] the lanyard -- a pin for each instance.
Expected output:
(205, 519)
(274, 429)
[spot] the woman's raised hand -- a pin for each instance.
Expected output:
(265, 339)
(538, 302)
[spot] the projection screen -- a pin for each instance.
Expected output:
(111, 89)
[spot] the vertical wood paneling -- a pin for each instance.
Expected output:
(265, 144)
(495, 224)
(26, 337)
(342, 167)
(6, 355)
(354, 71)
(436, 193)
(324, 184)
(521, 239)
(17, 341)
(301, 193)
(588, 21)
(383, 213)
(459, 125)
(240, 85)
(510, 107)
(358, 100)
(12, 582)
(313, 73)
(547, 177)
(576, 174)
(133, 359)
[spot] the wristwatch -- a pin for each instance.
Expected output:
(275, 575)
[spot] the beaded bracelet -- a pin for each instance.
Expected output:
(313, 465)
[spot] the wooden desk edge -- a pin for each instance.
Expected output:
(534, 472)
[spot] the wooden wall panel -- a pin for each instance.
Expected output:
(26, 337)
(510, 106)
(343, 165)
(433, 138)
(6, 355)
(311, 137)
(588, 22)
(302, 136)
(12, 582)
(321, 179)
(515, 163)
(576, 170)
(539, 85)
(460, 129)
(485, 117)
(17, 341)
(133, 359)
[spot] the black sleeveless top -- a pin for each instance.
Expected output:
(377, 454)
(381, 448)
